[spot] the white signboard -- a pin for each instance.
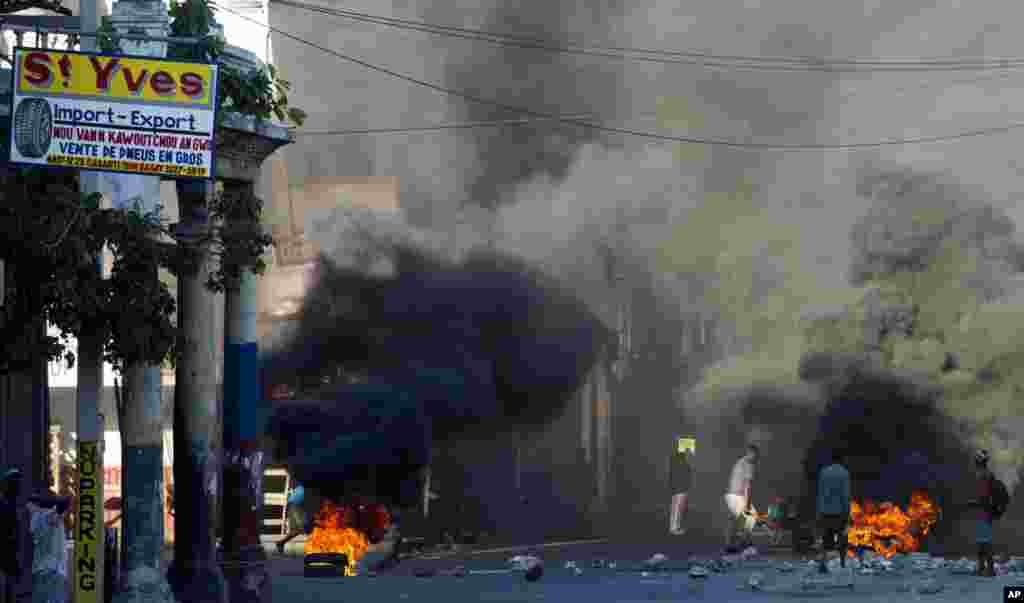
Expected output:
(113, 113)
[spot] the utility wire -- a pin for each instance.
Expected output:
(636, 133)
(445, 126)
(527, 121)
(739, 62)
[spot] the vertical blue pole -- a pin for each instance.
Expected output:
(243, 556)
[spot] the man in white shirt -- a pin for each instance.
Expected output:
(738, 500)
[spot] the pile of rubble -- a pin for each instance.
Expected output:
(922, 562)
(923, 570)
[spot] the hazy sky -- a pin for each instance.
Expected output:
(439, 168)
(561, 190)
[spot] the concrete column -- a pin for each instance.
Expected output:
(243, 558)
(243, 143)
(142, 431)
(194, 575)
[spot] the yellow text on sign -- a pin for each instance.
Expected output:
(89, 526)
(53, 72)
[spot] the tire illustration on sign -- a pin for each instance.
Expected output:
(33, 127)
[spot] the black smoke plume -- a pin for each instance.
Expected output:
(443, 351)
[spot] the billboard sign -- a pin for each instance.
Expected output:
(113, 113)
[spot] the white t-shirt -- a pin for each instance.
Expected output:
(742, 474)
(49, 551)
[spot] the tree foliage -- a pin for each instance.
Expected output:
(261, 93)
(239, 239)
(49, 236)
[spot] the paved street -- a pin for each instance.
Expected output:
(621, 586)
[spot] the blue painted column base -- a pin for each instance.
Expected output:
(194, 575)
(143, 505)
(243, 559)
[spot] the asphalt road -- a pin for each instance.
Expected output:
(625, 585)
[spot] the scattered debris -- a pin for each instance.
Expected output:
(963, 566)
(755, 581)
(535, 572)
(577, 571)
(459, 571)
(532, 566)
(597, 563)
(929, 586)
(811, 582)
(699, 571)
(570, 565)
(525, 562)
(786, 567)
(724, 565)
(612, 565)
(656, 561)
(841, 578)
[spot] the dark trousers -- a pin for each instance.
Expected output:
(833, 529)
(10, 589)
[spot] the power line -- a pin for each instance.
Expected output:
(526, 121)
(445, 126)
(636, 133)
(740, 62)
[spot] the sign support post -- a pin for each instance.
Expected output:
(89, 529)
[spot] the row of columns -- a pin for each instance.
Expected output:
(216, 470)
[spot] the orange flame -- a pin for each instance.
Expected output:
(334, 534)
(889, 530)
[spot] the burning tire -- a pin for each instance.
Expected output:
(33, 127)
(324, 565)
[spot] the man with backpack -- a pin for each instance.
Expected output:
(992, 500)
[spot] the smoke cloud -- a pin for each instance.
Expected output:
(443, 350)
(800, 266)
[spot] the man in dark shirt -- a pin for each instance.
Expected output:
(983, 502)
(10, 543)
(833, 508)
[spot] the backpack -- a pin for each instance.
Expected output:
(1000, 498)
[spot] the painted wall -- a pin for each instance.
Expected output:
(282, 287)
